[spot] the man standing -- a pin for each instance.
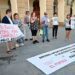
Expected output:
(7, 20)
(55, 23)
(45, 23)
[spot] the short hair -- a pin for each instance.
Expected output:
(27, 12)
(45, 13)
(8, 11)
(68, 15)
(55, 13)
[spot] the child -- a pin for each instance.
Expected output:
(45, 23)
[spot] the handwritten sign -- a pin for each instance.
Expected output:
(54, 60)
(8, 31)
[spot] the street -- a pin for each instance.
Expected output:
(16, 63)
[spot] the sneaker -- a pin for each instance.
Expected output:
(8, 52)
(36, 41)
(17, 45)
(13, 48)
(26, 39)
(22, 44)
(48, 40)
(31, 39)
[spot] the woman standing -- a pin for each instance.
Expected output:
(34, 27)
(68, 27)
(27, 31)
(17, 21)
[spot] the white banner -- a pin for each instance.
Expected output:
(8, 31)
(54, 60)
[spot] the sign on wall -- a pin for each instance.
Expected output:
(54, 60)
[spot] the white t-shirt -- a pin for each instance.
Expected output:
(67, 24)
(73, 22)
(55, 21)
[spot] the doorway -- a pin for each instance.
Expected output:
(36, 8)
(55, 6)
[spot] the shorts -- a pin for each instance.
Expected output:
(34, 32)
(68, 29)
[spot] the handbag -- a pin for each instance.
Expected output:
(41, 32)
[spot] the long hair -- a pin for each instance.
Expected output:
(33, 13)
(68, 17)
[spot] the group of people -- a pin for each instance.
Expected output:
(31, 25)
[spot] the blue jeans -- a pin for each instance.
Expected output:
(45, 32)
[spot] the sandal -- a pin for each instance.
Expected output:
(8, 52)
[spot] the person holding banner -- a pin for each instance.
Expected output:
(17, 21)
(7, 20)
(68, 26)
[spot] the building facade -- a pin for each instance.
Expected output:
(62, 7)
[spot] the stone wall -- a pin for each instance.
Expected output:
(45, 5)
(3, 7)
(22, 7)
(49, 7)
